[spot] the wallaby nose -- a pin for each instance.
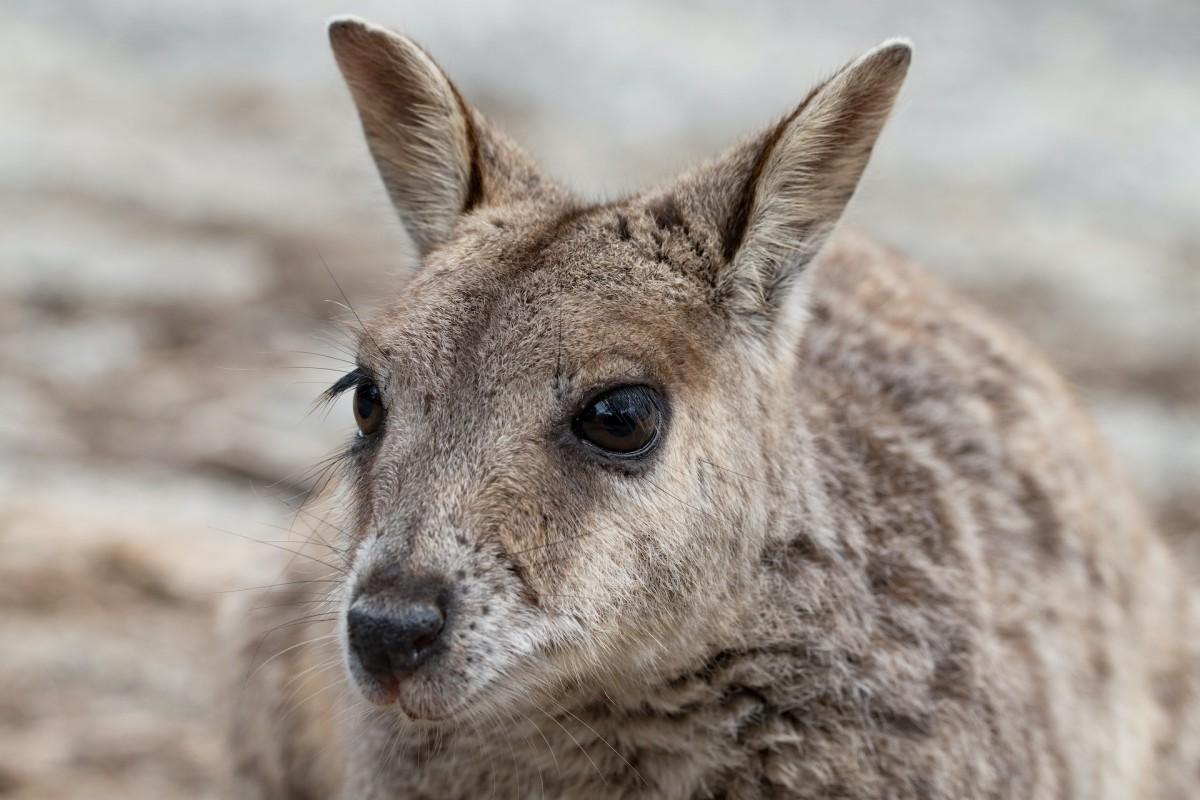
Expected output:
(389, 644)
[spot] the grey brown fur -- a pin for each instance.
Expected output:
(879, 553)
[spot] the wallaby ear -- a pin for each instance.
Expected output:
(776, 199)
(438, 158)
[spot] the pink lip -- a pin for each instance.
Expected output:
(389, 694)
(397, 693)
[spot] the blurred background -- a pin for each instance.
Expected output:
(173, 175)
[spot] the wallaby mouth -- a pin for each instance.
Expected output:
(398, 630)
(393, 634)
(428, 623)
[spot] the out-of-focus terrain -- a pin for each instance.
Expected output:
(172, 177)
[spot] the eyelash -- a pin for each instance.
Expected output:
(351, 380)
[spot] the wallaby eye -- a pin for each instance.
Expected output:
(368, 408)
(624, 421)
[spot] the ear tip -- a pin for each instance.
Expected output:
(896, 51)
(346, 25)
(348, 29)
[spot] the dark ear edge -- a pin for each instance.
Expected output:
(733, 232)
(885, 64)
(438, 158)
(775, 199)
(475, 188)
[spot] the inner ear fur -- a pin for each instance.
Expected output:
(438, 157)
(775, 199)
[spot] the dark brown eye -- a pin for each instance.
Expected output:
(624, 422)
(368, 408)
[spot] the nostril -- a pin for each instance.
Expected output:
(391, 643)
(419, 626)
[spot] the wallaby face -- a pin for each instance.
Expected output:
(670, 498)
(561, 411)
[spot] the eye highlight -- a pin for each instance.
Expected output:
(625, 422)
(368, 408)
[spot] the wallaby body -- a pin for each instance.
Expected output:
(871, 546)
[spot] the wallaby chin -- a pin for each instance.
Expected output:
(685, 495)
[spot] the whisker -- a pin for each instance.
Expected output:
(316, 355)
(269, 586)
(601, 738)
(564, 539)
(279, 366)
(306, 543)
(349, 305)
(294, 704)
(277, 547)
(549, 749)
(715, 465)
(285, 650)
(294, 603)
(582, 749)
(679, 500)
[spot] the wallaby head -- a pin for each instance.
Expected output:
(570, 416)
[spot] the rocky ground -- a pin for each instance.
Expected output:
(173, 179)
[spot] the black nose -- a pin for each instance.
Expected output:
(389, 644)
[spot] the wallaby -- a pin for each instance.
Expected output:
(676, 496)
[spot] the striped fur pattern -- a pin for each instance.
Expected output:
(879, 553)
